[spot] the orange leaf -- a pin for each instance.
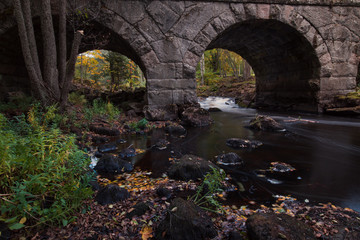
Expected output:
(146, 232)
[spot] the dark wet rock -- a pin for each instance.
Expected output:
(196, 117)
(131, 113)
(175, 130)
(272, 226)
(104, 130)
(161, 144)
(242, 143)
(229, 159)
(169, 112)
(99, 139)
(109, 164)
(214, 109)
(127, 152)
(234, 235)
(164, 192)
(139, 209)
(5, 232)
(190, 167)
(265, 123)
(98, 154)
(95, 186)
(281, 167)
(185, 221)
(107, 148)
(111, 194)
(120, 141)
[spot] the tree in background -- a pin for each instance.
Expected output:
(108, 70)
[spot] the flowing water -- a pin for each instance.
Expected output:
(324, 150)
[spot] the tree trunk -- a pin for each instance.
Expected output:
(232, 63)
(247, 70)
(70, 68)
(62, 43)
(50, 72)
(202, 68)
(37, 87)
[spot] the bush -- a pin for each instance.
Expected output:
(77, 99)
(141, 124)
(100, 108)
(42, 172)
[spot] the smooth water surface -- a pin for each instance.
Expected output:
(324, 150)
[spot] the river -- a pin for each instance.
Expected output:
(324, 150)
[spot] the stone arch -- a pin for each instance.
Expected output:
(285, 46)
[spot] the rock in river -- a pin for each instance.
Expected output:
(190, 167)
(107, 148)
(229, 159)
(196, 117)
(242, 143)
(265, 123)
(185, 221)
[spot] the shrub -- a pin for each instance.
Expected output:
(141, 124)
(207, 193)
(100, 108)
(42, 172)
(77, 99)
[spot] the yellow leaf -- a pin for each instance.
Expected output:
(23, 220)
(146, 232)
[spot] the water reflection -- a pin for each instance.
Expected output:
(325, 153)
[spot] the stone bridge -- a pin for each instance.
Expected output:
(303, 52)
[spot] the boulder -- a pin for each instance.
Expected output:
(111, 194)
(214, 109)
(229, 159)
(185, 221)
(109, 164)
(190, 167)
(270, 226)
(138, 209)
(99, 139)
(169, 112)
(164, 192)
(196, 117)
(107, 148)
(161, 144)
(127, 152)
(242, 143)
(104, 130)
(174, 130)
(265, 123)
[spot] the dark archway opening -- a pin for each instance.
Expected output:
(285, 63)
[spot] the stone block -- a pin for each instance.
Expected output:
(160, 98)
(198, 49)
(209, 32)
(227, 19)
(150, 59)
(263, 11)
(239, 11)
(150, 29)
(191, 59)
(179, 70)
(160, 84)
(178, 97)
(189, 71)
(185, 84)
(337, 83)
(127, 9)
(162, 71)
(141, 46)
(344, 70)
(250, 10)
(163, 15)
(166, 50)
(190, 97)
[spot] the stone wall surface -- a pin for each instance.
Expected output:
(303, 52)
